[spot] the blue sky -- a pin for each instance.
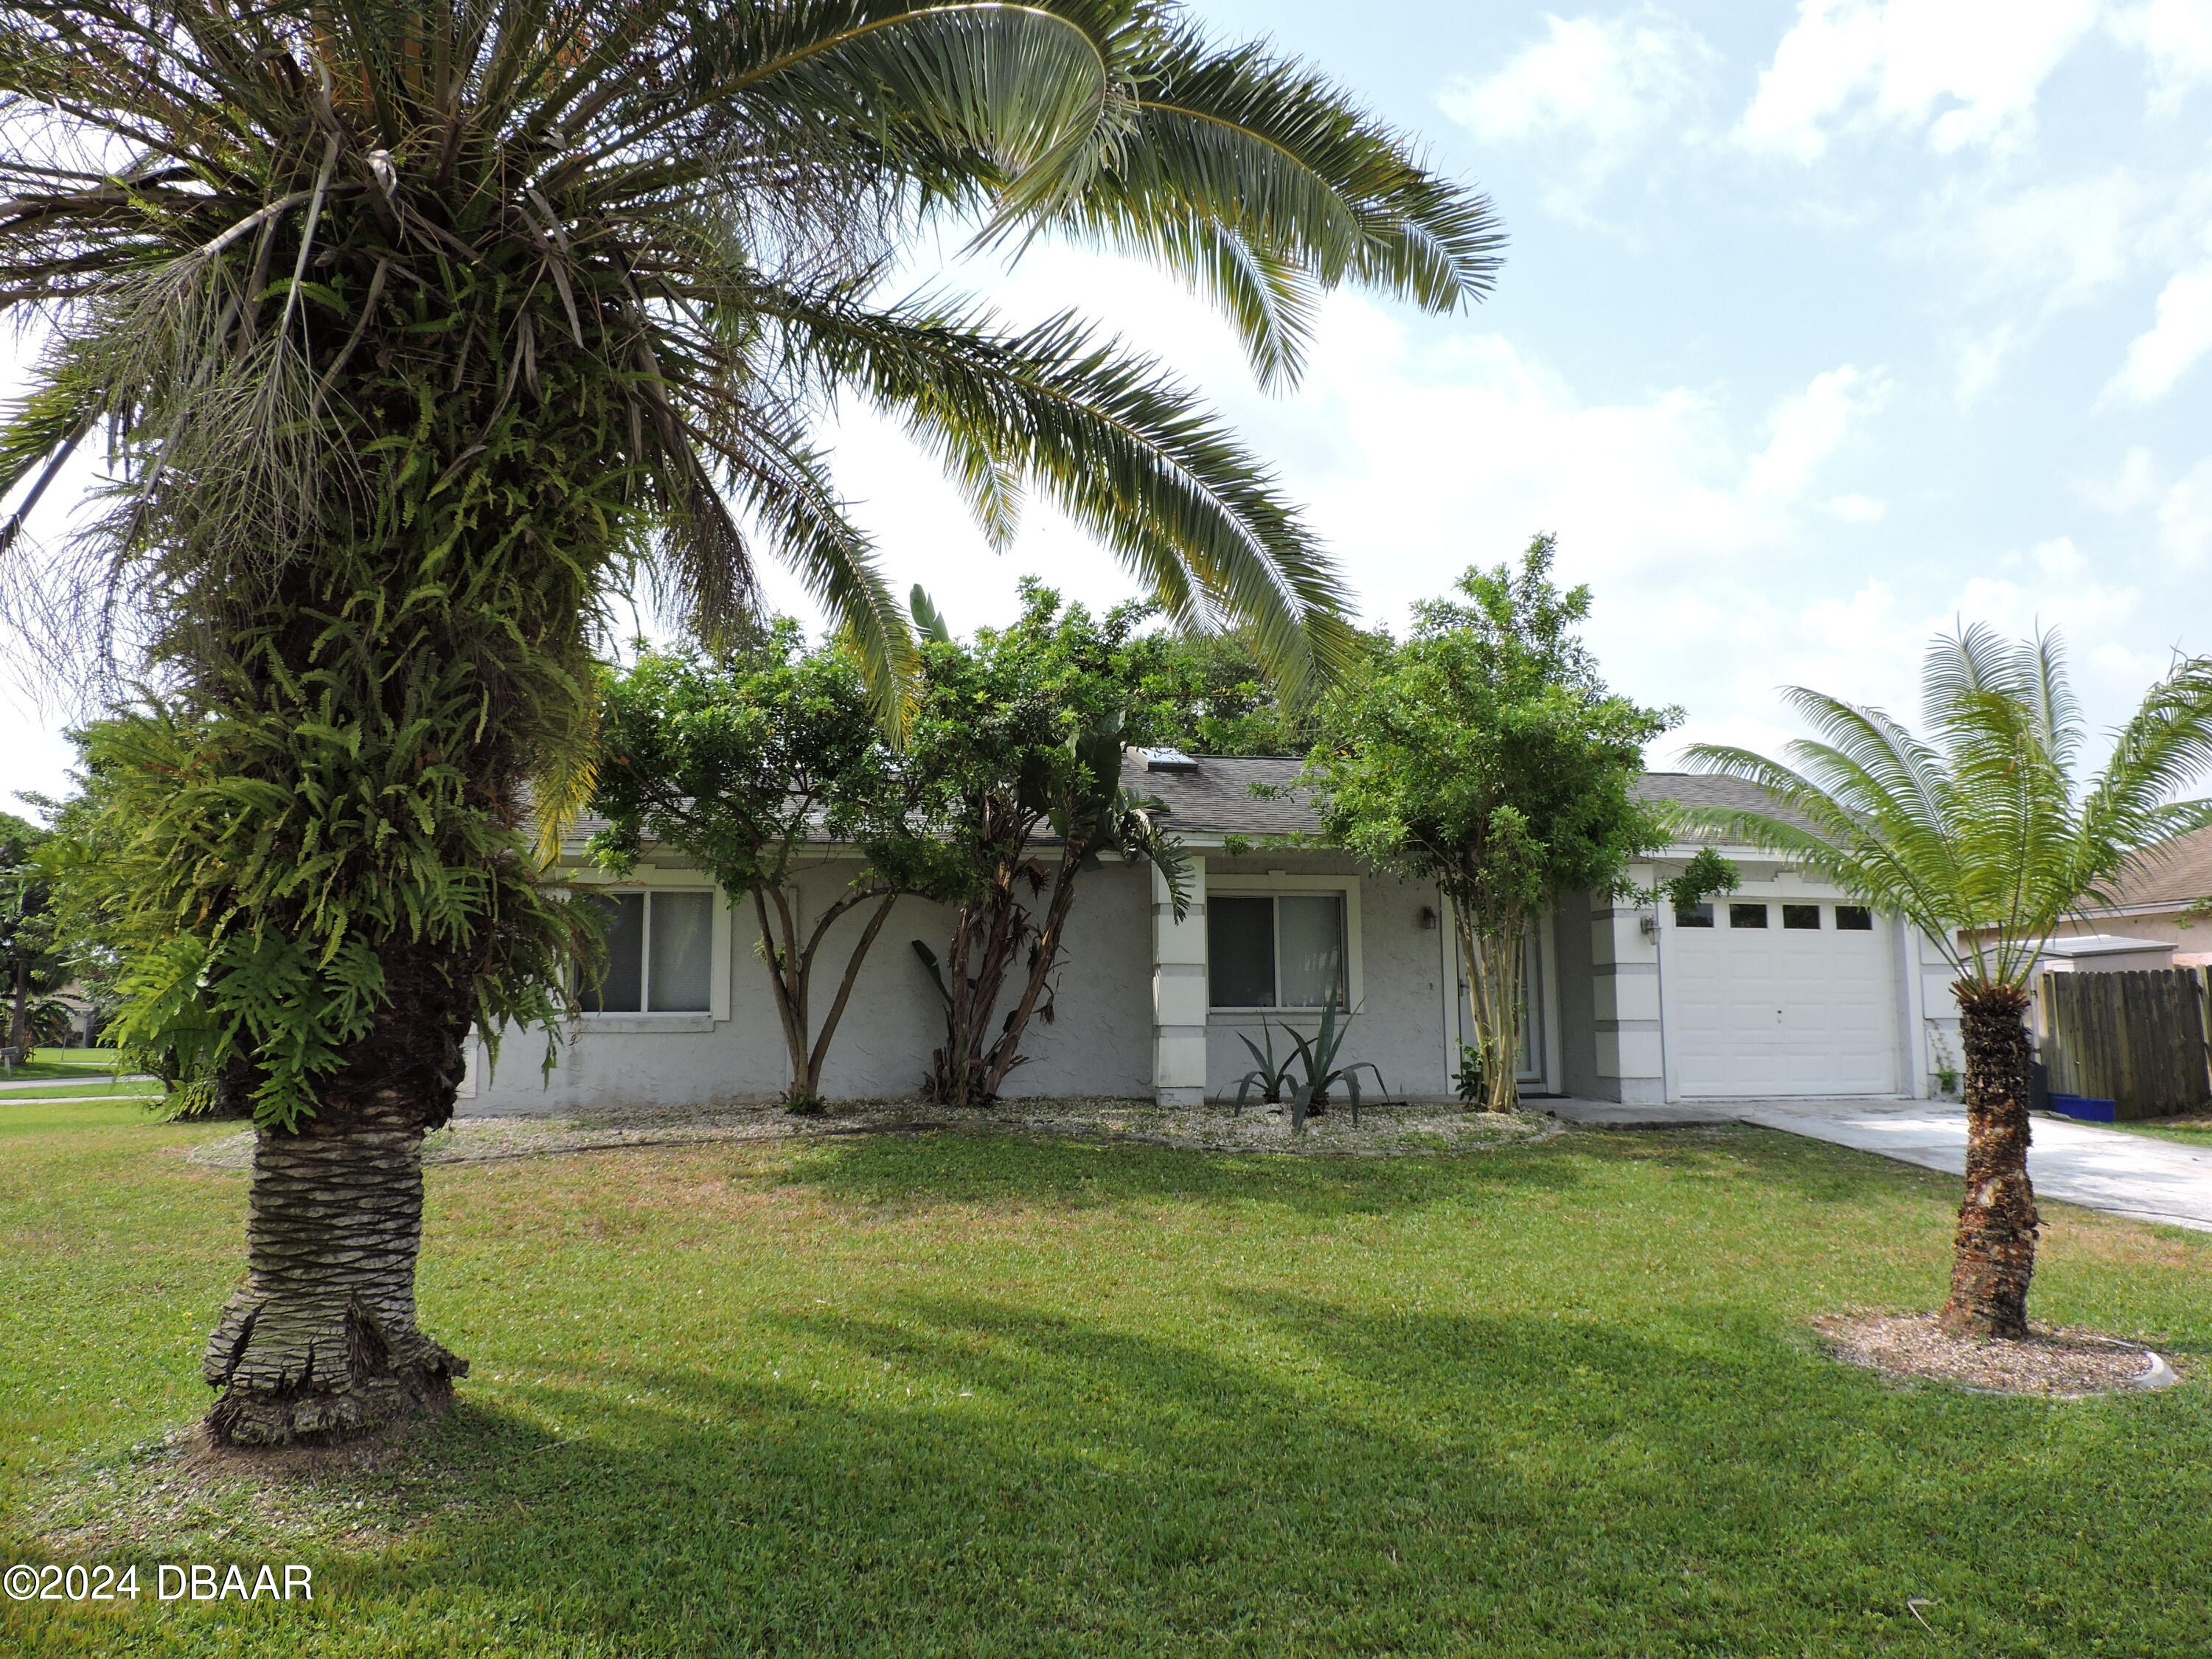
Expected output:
(1821, 325)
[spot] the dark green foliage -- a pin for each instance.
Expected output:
(1466, 1081)
(1487, 754)
(1019, 737)
(756, 768)
(32, 965)
(1213, 693)
(1704, 875)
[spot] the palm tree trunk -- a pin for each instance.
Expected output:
(1993, 1257)
(320, 1343)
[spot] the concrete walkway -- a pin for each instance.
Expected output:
(2140, 1176)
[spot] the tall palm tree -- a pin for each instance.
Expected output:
(414, 331)
(1984, 838)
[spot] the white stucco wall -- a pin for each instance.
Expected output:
(1100, 1042)
(1400, 985)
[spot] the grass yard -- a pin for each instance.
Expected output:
(2188, 1131)
(103, 1088)
(965, 1395)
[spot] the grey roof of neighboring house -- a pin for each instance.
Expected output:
(2178, 874)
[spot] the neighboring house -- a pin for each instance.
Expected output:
(1782, 987)
(2159, 899)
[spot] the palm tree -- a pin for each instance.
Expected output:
(413, 332)
(1983, 838)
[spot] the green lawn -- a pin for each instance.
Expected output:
(969, 1396)
(120, 1088)
(2188, 1131)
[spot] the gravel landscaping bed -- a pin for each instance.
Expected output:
(2055, 1362)
(1384, 1130)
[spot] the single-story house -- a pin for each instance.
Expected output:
(2162, 898)
(1782, 987)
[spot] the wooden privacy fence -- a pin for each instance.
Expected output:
(2136, 1040)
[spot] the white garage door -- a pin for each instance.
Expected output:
(1776, 997)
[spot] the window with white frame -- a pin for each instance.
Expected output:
(660, 957)
(1276, 949)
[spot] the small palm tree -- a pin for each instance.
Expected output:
(1982, 837)
(415, 331)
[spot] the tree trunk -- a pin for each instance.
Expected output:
(1993, 1257)
(989, 934)
(18, 1021)
(790, 975)
(1005, 1052)
(320, 1343)
(1496, 1003)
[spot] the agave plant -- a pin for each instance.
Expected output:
(415, 333)
(1316, 1058)
(1270, 1076)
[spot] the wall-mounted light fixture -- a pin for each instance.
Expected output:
(1648, 926)
(1428, 917)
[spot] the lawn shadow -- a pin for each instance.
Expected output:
(1302, 1477)
(1816, 1171)
(903, 1171)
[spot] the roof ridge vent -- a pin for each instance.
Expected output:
(1167, 760)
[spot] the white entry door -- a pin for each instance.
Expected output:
(1769, 997)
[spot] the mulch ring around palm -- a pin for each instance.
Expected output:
(2054, 1363)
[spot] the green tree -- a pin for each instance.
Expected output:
(32, 963)
(1485, 754)
(755, 768)
(1214, 694)
(413, 334)
(1981, 836)
(1020, 737)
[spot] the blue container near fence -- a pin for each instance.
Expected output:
(2089, 1111)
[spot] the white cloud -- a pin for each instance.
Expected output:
(2163, 353)
(1964, 72)
(1601, 88)
(1855, 509)
(1809, 427)
(2008, 259)
(2185, 516)
(2135, 483)
(2176, 37)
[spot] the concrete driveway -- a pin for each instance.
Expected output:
(2137, 1175)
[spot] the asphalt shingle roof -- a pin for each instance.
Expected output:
(1704, 789)
(2179, 874)
(1216, 798)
